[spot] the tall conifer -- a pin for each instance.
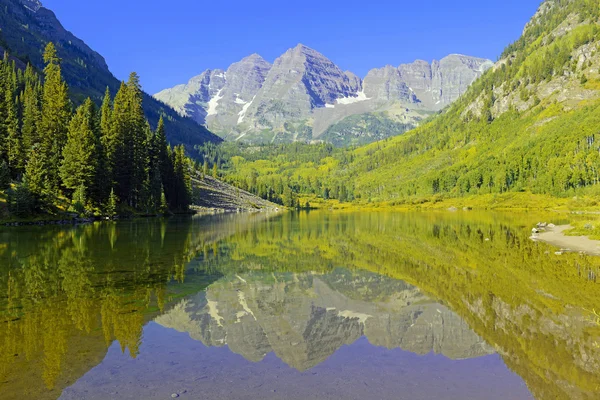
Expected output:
(56, 111)
(81, 153)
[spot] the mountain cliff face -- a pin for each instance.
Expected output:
(306, 319)
(303, 94)
(26, 28)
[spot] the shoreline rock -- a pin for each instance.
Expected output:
(554, 235)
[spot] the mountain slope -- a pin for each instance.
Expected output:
(304, 94)
(530, 123)
(26, 28)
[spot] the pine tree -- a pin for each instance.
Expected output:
(111, 206)
(56, 111)
(81, 153)
(14, 143)
(106, 114)
(35, 173)
(137, 132)
(155, 187)
(182, 189)
(116, 146)
(164, 160)
(31, 116)
(105, 179)
(79, 199)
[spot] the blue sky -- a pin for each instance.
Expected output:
(168, 42)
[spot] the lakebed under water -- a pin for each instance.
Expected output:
(317, 305)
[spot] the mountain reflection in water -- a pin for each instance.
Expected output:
(307, 289)
(304, 318)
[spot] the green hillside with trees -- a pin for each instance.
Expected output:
(100, 162)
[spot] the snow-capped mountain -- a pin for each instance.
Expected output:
(302, 94)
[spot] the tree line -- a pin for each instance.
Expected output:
(93, 160)
(281, 173)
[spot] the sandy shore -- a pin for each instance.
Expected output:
(556, 237)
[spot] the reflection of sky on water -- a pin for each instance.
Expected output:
(171, 362)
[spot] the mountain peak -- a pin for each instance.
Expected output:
(303, 49)
(303, 93)
(254, 57)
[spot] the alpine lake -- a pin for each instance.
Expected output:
(307, 305)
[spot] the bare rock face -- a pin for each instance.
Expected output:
(304, 93)
(302, 73)
(387, 84)
(243, 81)
(431, 86)
(193, 99)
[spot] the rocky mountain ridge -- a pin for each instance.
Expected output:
(303, 93)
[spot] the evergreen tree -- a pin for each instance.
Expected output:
(79, 168)
(182, 190)
(106, 115)
(31, 115)
(116, 146)
(137, 140)
(111, 206)
(35, 173)
(155, 187)
(14, 143)
(164, 160)
(56, 111)
(79, 199)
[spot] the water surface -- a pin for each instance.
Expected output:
(297, 306)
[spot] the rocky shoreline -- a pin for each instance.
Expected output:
(555, 236)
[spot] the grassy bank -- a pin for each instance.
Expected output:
(506, 201)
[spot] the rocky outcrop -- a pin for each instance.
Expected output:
(304, 93)
(304, 319)
(432, 86)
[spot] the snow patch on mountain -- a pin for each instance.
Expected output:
(242, 113)
(240, 101)
(360, 96)
(214, 103)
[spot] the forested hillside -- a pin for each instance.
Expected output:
(92, 161)
(532, 123)
(26, 28)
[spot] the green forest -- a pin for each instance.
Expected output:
(91, 161)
